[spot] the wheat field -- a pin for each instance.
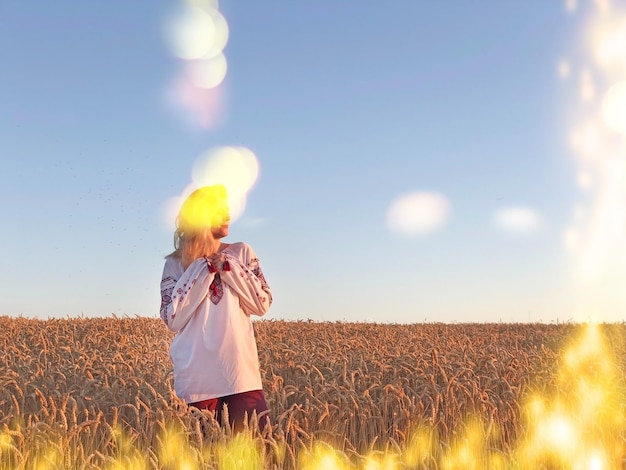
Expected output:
(92, 393)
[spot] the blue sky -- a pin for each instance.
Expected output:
(347, 106)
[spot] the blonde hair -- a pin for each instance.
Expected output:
(203, 210)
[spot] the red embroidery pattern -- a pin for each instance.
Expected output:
(167, 288)
(216, 290)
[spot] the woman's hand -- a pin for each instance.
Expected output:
(219, 262)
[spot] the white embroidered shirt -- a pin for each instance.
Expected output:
(214, 351)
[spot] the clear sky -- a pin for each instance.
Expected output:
(419, 161)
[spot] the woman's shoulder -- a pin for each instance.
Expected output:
(173, 265)
(237, 247)
(241, 250)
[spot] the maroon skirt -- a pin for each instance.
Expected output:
(237, 405)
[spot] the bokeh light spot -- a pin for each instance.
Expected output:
(609, 44)
(205, 207)
(199, 107)
(417, 213)
(521, 220)
(571, 238)
(207, 73)
(584, 180)
(198, 34)
(603, 5)
(191, 33)
(579, 213)
(614, 108)
(564, 69)
(587, 87)
(571, 5)
(236, 168)
(586, 141)
(220, 38)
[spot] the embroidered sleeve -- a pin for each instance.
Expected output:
(167, 287)
(255, 266)
(248, 281)
(179, 304)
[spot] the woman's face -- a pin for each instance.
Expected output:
(222, 217)
(220, 231)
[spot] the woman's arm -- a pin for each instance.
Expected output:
(247, 280)
(180, 298)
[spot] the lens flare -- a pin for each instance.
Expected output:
(205, 207)
(191, 33)
(571, 5)
(614, 107)
(199, 107)
(420, 447)
(469, 449)
(198, 34)
(236, 168)
(521, 220)
(587, 87)
(578, 424)
(382, 461)
(564, 69)
(129, 457)
(324, 456)
(603, 5)
(207, 73)
(586, 141)
(240, 453)
(175, 451)
(418, 213)
(609, 45)
(599, 245)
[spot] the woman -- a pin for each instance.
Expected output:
(209, 290)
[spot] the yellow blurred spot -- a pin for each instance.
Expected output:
(6, 441)
(597, 461)
(207, 73)
(323, 456)
(468, 451)
(614, 107)
(236, 168)
(580, 424)
(49, 459)
(128, 456)
(419, 447)
(205, 207)
(382, 461)
(240, 453)
(175, 451)
(557, 433)
(416, 213)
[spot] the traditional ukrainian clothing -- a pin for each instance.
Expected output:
(214, 351)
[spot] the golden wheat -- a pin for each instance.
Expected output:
(98, 393)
